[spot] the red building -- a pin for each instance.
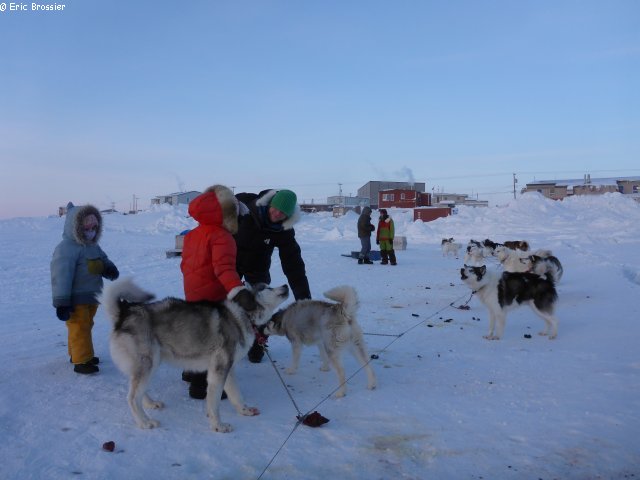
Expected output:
(403, 198)
(427, 214)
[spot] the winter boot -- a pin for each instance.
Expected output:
(392, 257)
(256, 352)
(360, 261)
(86, 368)
(93, 361)
(198, 385)
(385, 257)
(367, 261)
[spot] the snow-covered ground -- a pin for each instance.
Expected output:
(449, 404)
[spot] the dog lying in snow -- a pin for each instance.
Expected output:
(332, 327)
(501, 293)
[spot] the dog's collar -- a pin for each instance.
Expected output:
(261, 338)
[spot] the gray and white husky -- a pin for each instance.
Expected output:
(331, 326)
(197, 336)
(501, 293)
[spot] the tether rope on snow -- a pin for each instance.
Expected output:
(319, 418)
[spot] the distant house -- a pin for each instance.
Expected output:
(315, 207)
(370, 189)
(403, 198)
(183, 198)
(559, 189)
(453, 199)
(428, 214)
(345, 201)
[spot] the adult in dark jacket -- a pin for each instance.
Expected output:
(265, 223)
(365, 227)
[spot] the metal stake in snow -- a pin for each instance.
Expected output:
(313, 419)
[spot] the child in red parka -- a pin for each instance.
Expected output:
(209, 261)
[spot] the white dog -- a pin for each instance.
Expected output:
(475, 253)
(197, 336)
(450, 246)
(330, 326)
(512, 260)
(501, 293)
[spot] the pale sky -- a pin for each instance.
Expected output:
(106, 100)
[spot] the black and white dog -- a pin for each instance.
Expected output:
(544, 265)
(501, 293)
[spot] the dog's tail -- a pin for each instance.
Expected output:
(345, 295)
(122, 291)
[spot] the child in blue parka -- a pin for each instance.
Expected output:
(77, 267)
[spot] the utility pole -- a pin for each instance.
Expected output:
(515, 180)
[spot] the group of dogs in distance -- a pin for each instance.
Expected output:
(526, 278)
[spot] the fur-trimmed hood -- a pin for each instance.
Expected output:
(216, 206)
(264, 199)
(73, 225)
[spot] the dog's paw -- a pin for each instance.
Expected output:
(222, 428)
(325, 368)
(249, 411)
(491, 337)
(372, 386)
(340, 393)
(290, 371)
(153, 404)
(148, 424)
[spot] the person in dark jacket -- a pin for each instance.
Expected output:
(77, 267)
(365, 227)
(265, 223)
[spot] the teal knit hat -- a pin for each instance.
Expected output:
(285, 201)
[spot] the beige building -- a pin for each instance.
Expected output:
(559, 189)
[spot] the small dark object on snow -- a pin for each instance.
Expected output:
(448, 320)
(312, 419)
(464, 307)
(415, 315)
(374, 356)
(109, 446)
(526, 335)
(429, 325)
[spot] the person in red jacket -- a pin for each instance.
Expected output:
(209, 261)
(384, 238)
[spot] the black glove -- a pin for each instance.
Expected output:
(246, 300)
(377, 242)
(64, 313)
(110, 272)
